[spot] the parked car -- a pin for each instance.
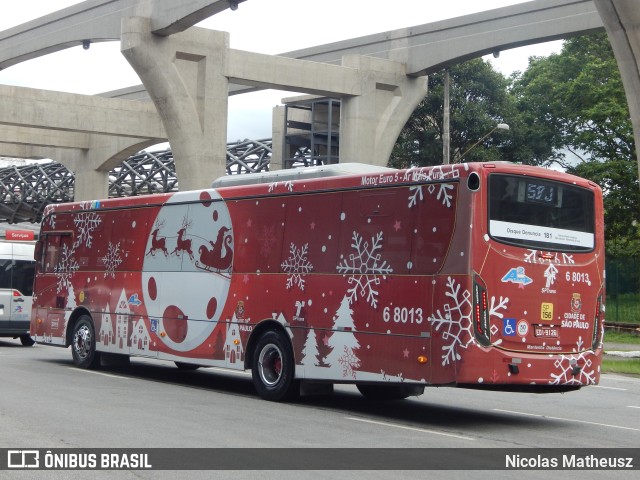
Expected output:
(16, 289)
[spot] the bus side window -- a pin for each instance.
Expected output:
(54, 249)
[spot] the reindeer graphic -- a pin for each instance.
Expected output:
(183, 244)
(158, 243)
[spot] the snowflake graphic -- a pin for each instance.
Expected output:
(502, 304)
(432, 174)
(49, 218)
(566, 363)
(65, 268)
(288, 185)
(532, 257)
(86, 223)
(111, 260)
(365, 268)
(349, 363)
(267, 240)
(297, 265)
(392, 378)
(455, 322)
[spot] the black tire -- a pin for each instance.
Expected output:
(26, 340)
(384, 392)
(273, 368)
(83, 344)
(187, 366)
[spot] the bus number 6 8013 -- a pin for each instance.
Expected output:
(402, 315)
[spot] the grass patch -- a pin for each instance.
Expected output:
(624, 308)
(621, 365)
(613, 336)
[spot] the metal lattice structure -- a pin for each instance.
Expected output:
(26, 190)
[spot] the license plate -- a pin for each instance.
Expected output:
(546, 332)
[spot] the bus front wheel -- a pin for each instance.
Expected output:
(273, 368)
(83, 344)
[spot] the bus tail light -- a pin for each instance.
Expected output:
(16, 293)
(598, 321)
(481, 312)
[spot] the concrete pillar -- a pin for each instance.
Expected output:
(371, 122)
(277, 138)
(91, 166)
(90, 184)
(183, 74)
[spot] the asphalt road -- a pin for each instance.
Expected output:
(45, 402)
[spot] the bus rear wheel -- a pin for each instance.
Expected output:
(26, 340)
(83, 344)
(273, 368)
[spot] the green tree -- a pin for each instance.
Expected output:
(619, 182)
(575, 99)
(479, 100)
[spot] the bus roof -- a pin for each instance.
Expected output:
(293, 174)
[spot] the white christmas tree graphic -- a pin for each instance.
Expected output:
(70, 306)
(310, 350)
(365, 268)
(343, 342)
(297, 265)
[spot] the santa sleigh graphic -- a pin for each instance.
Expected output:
(219, 257)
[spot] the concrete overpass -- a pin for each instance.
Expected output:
(189, 74)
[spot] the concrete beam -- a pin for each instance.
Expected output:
(99, 21)
(429, 47)
(42, 137)
(169, 17)
(279, 73)
(35, 108)
(90, 165)
(30, 152)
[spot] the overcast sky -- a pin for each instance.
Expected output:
(264, 26)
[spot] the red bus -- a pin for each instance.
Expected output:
(479, 275)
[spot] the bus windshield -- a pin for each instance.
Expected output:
(541, 214)
(17, 275)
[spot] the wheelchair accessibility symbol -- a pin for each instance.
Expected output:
(508, 327)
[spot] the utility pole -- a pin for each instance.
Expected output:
(445, 121)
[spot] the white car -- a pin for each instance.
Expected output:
(16, 288)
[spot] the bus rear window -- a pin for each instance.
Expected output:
(541, 214)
